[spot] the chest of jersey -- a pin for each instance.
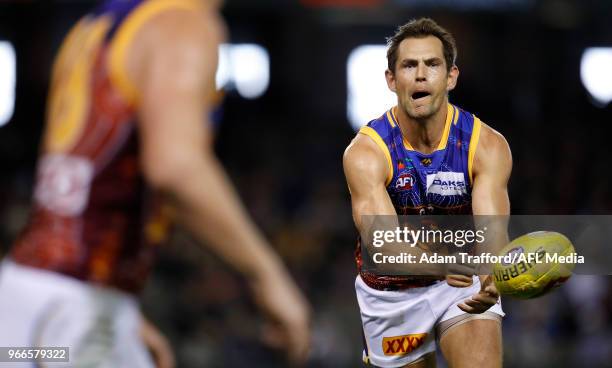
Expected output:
(424, 183)
(434, 183)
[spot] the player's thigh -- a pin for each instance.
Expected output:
(475, 343)
(426, 361)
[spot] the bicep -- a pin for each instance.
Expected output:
(172, 108)
(365, 171)
(490, 196)
(492, 167)
(370, 202)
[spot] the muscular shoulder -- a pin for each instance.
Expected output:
(364, 160)
(492, 152)
(185, 25)
(176, 41)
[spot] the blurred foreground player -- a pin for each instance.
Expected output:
(128, 142)
(427, 156)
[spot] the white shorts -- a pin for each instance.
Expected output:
(100, 326)
(400, 326)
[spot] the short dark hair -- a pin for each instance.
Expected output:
(420, 28)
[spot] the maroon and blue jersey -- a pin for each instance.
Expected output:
(435, 183)
(419, 183)
(93, 217)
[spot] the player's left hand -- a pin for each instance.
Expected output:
(485, 299)
(460, 281)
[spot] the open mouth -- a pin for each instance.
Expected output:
(419, 95)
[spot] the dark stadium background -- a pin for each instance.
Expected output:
(519, 62)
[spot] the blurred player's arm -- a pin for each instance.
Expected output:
(178, 60)
(492, 168)
(157, 344)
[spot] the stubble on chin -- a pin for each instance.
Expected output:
(422, 113)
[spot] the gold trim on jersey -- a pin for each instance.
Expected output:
(455, 115)
(122, 41)
(69, 97)
(379, 141)
(449, 116)
(473, 146)
(390, 118)
(450, 112)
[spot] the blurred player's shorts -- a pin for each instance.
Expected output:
(40, 308)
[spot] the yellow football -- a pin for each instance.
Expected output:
(534, 264)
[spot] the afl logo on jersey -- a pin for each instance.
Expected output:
(404, 182)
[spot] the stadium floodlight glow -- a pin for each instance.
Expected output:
(596, 74)
(368, 95)
(222, 78)
(245, 67)
(8, 71)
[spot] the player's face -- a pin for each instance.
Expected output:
(420, 79)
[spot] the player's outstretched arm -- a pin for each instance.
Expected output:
(366, 169)
(492, 168)
(176, 73)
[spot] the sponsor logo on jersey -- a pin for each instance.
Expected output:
(402, 345)
(404, 182)
(446, 183)
(426, 162)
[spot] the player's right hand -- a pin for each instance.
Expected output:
(484, 299)
(289, 315)
(459, 280)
